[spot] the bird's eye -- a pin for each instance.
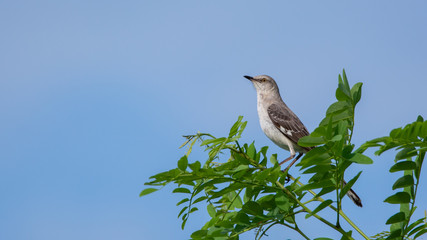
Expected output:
(263, 80)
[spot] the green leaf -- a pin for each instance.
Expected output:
(182, 210)
(419, 161)
(263, 151)
(213, 141)
(394, 234)
(417, 229)
(318, 169)
(252, 208)
(320, 207)
(237, 203)
(199, 234)
(398, 198)
(282, 202)
(182, 163)
(329, 129)
(195, 166)
(235, 127)
(183, 201)
(405, 165)
(184, 221)
(251, 151)
(202, 198)
(211, 210)
(340, 95)
(344, 115)
(308, 141)
(193, 210)
(315, 185)
(398, 217)
(345, 81)
(346, 151)
(361, 159)
(181, 190)
(348, 186)
(231, 188)
(423, 131)
(336, 138)
(273, 159)
(267, 201)
(325, 191)
(343, 90)
(242, 218)
(343, 127)
(395, 133)
(316, 156)
(422, 232)
(404, 181)
(319, 132)
(147, 191)
(347, 236)
(290, 219)
(356, 92)
(406, 153)
(344, 87)
(337, 107)
(413, 225)
(241, 158)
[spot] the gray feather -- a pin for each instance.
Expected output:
(287, 122)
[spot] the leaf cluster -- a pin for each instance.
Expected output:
(411, 141)
(329, 161)
(243, 192)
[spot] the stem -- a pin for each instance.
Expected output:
(309, 211)
(253, 162)
(286, 225)
(245, 230)
(191, 200)
(411, 210)
(346, 218)
(302, 204)
(231, 203)
(338, 182)
(265, 230)
(352, 123)
(300, 232)
(311, 200)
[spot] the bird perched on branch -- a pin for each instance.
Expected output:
(280, 124)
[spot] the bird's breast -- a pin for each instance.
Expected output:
(269, 129)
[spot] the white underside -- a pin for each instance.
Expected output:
(273, 133)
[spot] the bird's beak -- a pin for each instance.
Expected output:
(248, 77)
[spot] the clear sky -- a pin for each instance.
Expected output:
(95, 95)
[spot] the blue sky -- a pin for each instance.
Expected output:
(95, 95)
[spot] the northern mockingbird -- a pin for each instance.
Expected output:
(280, 124)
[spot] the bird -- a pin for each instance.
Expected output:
(280, 124)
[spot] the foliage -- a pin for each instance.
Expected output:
(412, 143)
(242, 193)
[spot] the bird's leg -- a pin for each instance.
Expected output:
(292, 163)
(287, 159)
(292, 151)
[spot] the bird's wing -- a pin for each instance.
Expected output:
(287, 122)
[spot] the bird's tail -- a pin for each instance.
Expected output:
(353, 196)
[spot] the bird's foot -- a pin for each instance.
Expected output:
(288, 178)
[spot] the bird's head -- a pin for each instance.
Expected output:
(264, 84)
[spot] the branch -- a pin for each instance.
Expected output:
(339, 229)
(335, 209)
